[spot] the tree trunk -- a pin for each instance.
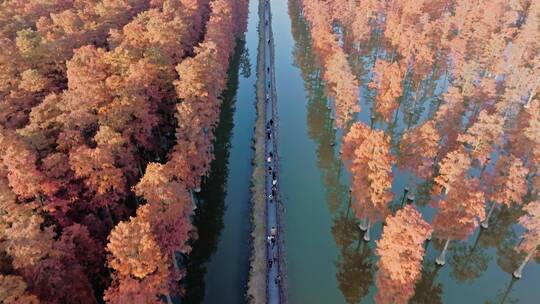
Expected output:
(404, 199)
(363, 224)
(508, 289)
(193, 199)
(175, 262)
(533, 92)
(366, 235)
(169, 301)
(441, 259)
(517, 274)
(485, 223)
(349, 205)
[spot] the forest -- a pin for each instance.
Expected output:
(476, 150)
(107, 114)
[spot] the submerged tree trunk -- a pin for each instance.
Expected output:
(441, 259)
(485, 223)
(518, 273)
(508, 289)
(364, 224)
(366, 235)
(169, 301)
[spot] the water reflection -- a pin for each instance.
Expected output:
(320, 126)
(468, 262)
(355, 263)
(209, 216)
(428, 290)
(487, 258)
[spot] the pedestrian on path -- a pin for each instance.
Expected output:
(274, 175)
(277, 279)
(270, 264)
(269, 239)
(274, 255)
(273, 231)
(269, 169)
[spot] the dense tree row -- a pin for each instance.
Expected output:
(88, 99)
(477, 147)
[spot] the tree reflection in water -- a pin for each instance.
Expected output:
(356, 263)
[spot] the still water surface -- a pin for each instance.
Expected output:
(327, 262)
(218, 266)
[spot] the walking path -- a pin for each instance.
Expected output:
(274, 280)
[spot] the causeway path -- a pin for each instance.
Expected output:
(275, 274)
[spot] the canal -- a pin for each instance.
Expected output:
(219, 263)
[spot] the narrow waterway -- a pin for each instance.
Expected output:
(218, 265)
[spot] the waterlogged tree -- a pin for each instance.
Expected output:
(337, 74)
(368, 157)
(452, 168)
(419, 148)
(388, 78)
(459, 213)
(401, 251)
(507, 184)
(526, 134)
(531, 238)
(344, 88)
(482, 137)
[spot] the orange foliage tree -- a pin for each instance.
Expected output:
(401, 251)
(459, 213)
(368, 157)
(388, 78)
(531, 238)
(419, 148)
(342, 84)
(507, 185)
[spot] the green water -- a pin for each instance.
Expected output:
(218, 265)
(326, 261)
